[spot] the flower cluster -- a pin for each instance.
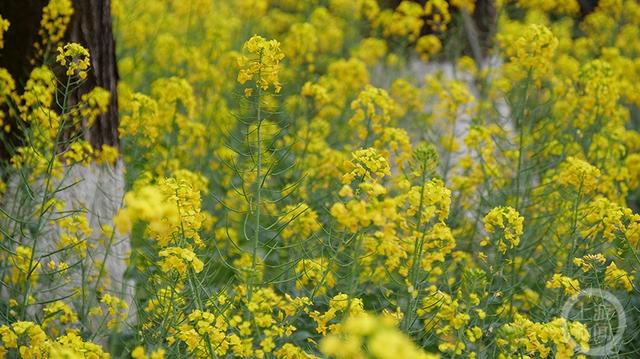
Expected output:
(579, 175)
(365, 335)
(570, 286)
(75, 58)
(171, 209)
(524, 335)
(365, 164)
(532, 53)
(509, 221)
(29, 340)
(4, 26)
(180, 260)
(373, 110)
(56, 16)
(261, 63)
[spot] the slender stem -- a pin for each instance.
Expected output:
(354, 276)
(256, 237)
(520, 123)
(574, 227)
(417, 254)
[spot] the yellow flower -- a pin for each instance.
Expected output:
(579, 175)
(398, 142)
(60, 311)
(466, 5)
(93, 104)
(571, 286)
(21, 264)
(55, 19)
(533, 52)
(616, 277)
(9, 338)
(107, 155)
(427, 46)
(79, 152)
(569, 7)
(301, 43)
(338, 304)
(172, 209)
(364, 335)
(36, 338)
(314, 272)
(299, 222)
(261, 63)
(589, 261)
(524, 336)
(116, 308)
(373, 110)
(179, 259)
(510, 221)
(370, 50)
(290, 351)
(432, 198)
(138, 353)
(365, 164)
(75, 58)
(406, 20)
(438, 15)
(4, 26)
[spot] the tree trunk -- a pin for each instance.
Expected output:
(90, 26)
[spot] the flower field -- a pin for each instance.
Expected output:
(327, 179)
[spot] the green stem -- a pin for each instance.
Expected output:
(256, 237)
(520, 123)
(417, 254)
